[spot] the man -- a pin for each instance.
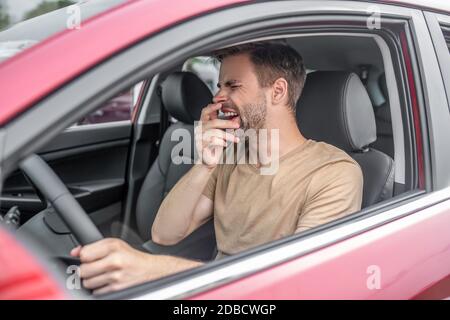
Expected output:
(314, 183)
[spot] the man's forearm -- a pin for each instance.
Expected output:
(163, 266)
(176, 211)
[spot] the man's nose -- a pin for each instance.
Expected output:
(218, 98)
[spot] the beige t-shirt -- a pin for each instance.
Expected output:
(315, 183)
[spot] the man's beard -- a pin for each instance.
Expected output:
(253, 115)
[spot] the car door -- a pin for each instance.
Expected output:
(402, 253)
(91, 159)
(365, 256)
(395, 250)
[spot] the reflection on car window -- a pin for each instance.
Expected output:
(118, 108)
(10, 48)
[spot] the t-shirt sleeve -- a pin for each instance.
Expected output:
(210, 187)
(334, 192)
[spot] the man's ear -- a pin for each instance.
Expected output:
(279, 91)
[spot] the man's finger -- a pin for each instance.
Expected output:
(97, 250)
(220, 134)
(217, 142)
(220, 124)
(75, 252)
(96, 268)
(105, 289)
(108, 288)
(101, 280)
(210, 111)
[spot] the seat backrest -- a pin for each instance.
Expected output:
(385, 137)
(183, 95)
(335, 108)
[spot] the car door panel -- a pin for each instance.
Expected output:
(398, 260)
(91, 160)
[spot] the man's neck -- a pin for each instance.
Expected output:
(280, 136)
(290, 136)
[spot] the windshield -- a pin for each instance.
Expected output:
(24, 23)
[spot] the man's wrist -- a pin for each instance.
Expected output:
(168, 265)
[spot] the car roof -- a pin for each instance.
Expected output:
(43, 26)
(44, 58)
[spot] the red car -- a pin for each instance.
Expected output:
(77, 184)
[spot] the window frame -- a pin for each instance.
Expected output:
(437, 95)
(391, 210)
(439, 25)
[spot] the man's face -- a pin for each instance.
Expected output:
(240, 92)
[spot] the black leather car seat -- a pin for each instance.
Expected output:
(183, 95)
(385, 138)
(335, 108)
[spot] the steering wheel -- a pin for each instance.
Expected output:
(65, 204)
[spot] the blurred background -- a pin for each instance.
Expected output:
(14, 11)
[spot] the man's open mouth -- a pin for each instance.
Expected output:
(228, 114)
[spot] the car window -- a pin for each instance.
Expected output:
(446, 33)
(443, 24)
(25, 23)
(118, 108)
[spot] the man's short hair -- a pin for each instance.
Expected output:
(272, 60)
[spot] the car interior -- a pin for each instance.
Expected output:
(346, 114)
(120, 174)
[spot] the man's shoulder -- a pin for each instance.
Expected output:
(336, 173)
(333, 164)
(326, 154)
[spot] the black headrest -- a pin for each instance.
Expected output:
(335, 108)
(184, 95)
